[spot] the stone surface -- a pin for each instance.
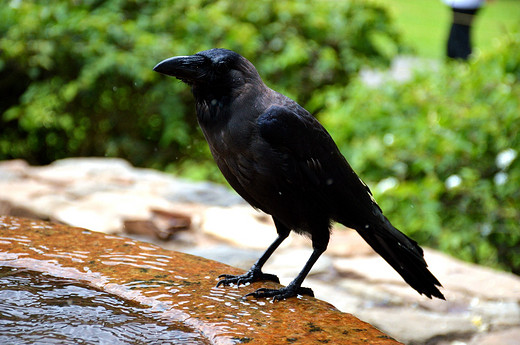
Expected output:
(505, 337)
(99, 193)
(243, 226)
(178, 287)
(106, 193)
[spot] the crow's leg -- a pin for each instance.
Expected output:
(320, 240)
(255, 272)
(295, 287)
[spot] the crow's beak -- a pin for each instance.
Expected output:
(186, 68)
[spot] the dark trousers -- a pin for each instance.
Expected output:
(459, 40)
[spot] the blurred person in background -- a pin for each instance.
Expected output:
(459, 39)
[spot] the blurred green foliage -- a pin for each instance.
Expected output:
(76, 80)
(440, 153)
(76, 76)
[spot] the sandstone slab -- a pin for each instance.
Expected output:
(179, 287)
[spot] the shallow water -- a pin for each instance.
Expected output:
(94, 288)
(40, 309)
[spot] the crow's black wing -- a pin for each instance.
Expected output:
(313, 162)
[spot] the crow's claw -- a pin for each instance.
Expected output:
(281, 294)
(251, 276)
(226, 276)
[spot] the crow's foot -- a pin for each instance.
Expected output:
(281, 294)
(251, 276)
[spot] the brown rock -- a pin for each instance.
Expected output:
(179, 288)
(171, 221)
(162, 224)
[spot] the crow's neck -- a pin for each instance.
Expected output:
(212, 107)
(215, 106)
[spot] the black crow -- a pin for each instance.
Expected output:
(281, 160)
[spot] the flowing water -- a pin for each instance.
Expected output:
(40, 309)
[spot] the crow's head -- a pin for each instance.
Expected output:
(214, 68)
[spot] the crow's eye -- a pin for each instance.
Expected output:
(222, 67)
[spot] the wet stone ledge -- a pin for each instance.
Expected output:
(177, 287)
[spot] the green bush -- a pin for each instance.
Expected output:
(440, 153)
(76, 76)
(76, 80)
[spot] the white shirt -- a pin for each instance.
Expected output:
(464, 4)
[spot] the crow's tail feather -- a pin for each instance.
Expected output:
(404, 255)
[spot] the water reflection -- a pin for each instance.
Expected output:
(178, 287)
(35, 307)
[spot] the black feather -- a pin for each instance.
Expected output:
(281, 160)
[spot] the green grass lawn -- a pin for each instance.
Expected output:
(424, 24)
